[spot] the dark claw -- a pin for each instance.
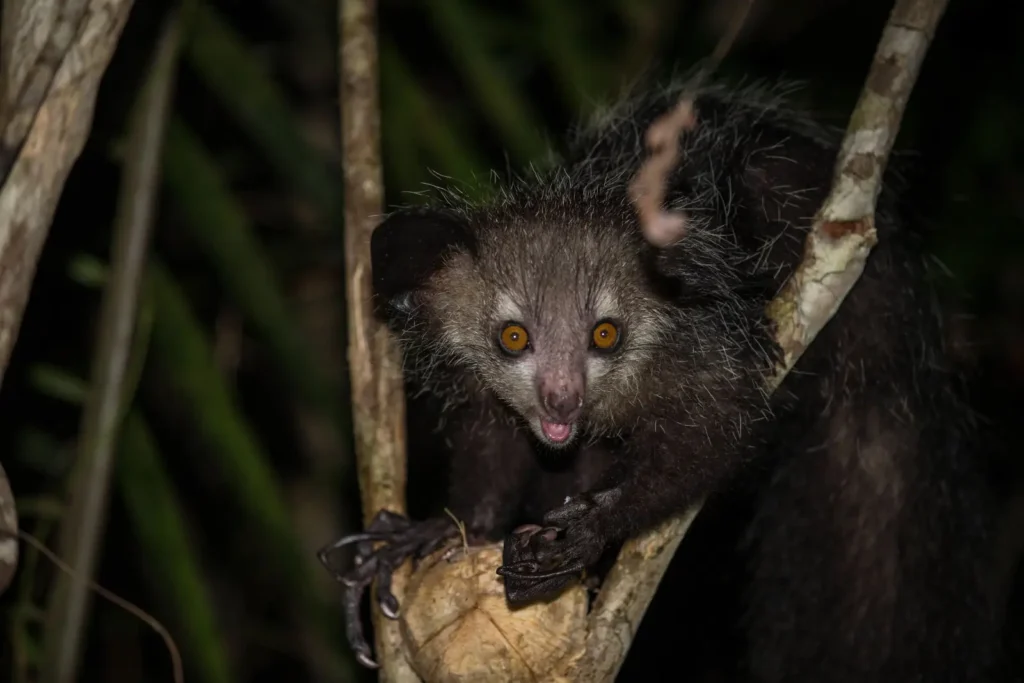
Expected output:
(389, 606)
(531, 571)
(354, 627)
(324, 552)
(387, 600)
(525, 591)
(401, 539)
(366, 660)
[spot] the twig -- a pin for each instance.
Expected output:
(837, 247)
(82, 528)
(378, 399)
(177, 670)
(23, 611)
(43, 136)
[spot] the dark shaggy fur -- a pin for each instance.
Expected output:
(871, 533)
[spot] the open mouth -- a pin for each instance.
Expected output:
(557, 432)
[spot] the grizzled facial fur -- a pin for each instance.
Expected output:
(558, 323)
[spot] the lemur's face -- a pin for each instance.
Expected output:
(556, 323)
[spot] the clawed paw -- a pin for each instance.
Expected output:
(402, 539)
(540, 561)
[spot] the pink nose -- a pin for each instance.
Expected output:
(562, 395)
(564, 407)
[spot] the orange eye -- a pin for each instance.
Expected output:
(606, 336)
(514, 338)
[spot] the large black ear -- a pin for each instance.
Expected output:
(408, 247)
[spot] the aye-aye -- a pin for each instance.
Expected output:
(594, 385)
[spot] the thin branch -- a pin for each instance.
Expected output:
(844, 229)
(378, 399)
(837, 247)
(177, 668)
(82, 528)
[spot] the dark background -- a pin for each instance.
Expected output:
(234, 464)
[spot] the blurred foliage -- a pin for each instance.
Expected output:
(233, 461)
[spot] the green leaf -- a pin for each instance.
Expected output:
(170, 563)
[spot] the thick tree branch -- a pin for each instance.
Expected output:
(837, 247)
(52, 56)
(378, 400)
(54, 53)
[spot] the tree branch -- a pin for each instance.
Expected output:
(53, 53)
(52, 56)
(837, 247)
(375, 370)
